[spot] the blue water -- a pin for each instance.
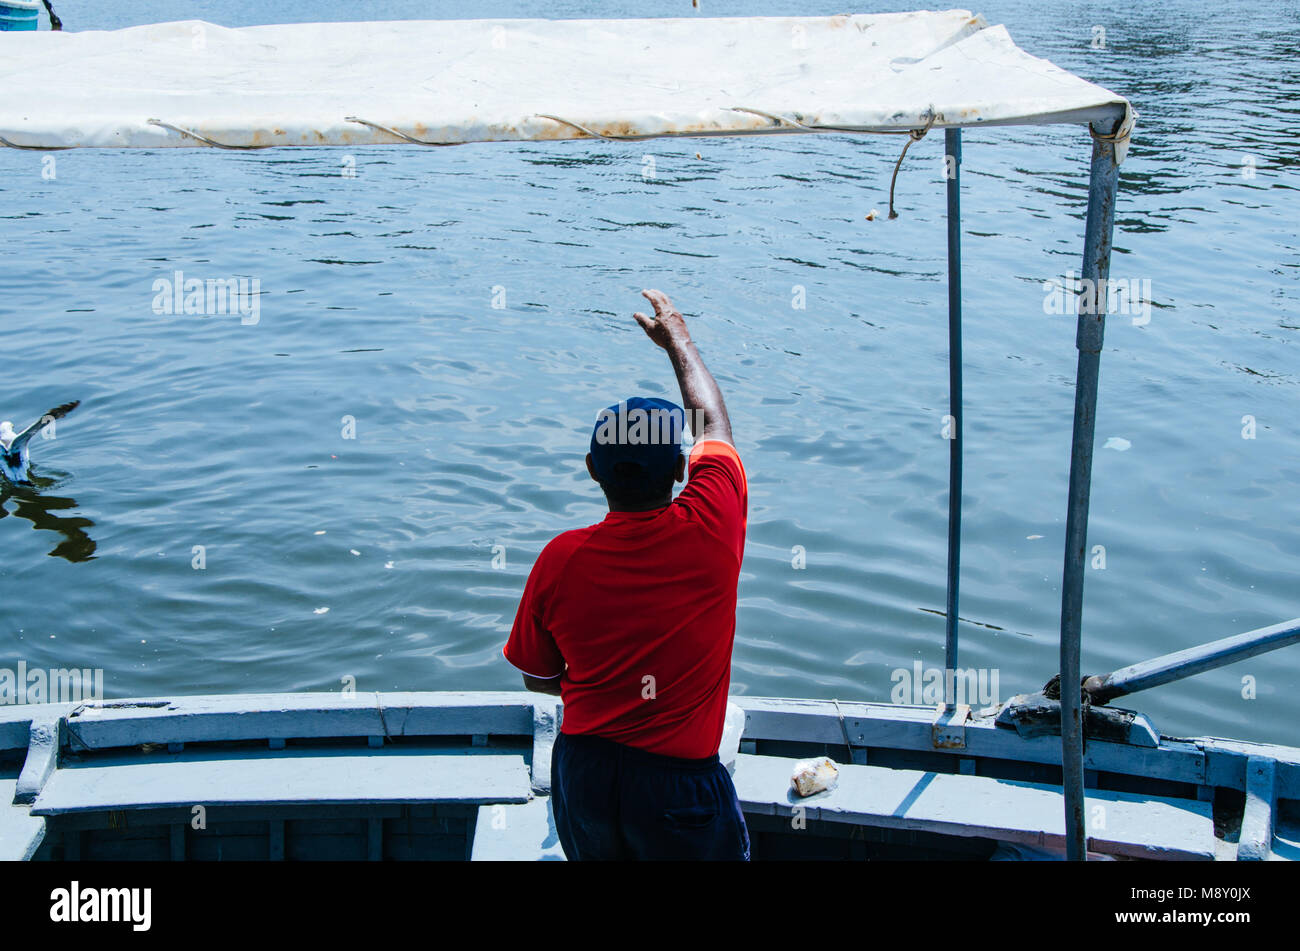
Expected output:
(376, 304)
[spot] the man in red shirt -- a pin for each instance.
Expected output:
(631, 621)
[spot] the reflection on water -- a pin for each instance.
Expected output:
(42, 510)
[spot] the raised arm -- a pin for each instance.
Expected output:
(700, 394)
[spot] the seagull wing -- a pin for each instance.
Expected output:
(57, 413)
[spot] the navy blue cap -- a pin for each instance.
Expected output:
(646, 431)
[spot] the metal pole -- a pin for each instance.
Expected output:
(952, 171)
(1193, 660)
(1103, 180)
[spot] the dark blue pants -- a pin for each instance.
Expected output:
(615, 802)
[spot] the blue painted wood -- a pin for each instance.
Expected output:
(42, 758)
(1255, 843)
(1286, 841)
(888, 728)
(546, 724)
(275, 840)
(1138, 826)
(898, 726)
(249, 778)
(874, 724)
(21, 834)
(16, 721)
(1226, 764)
(72, 846)
(292, 716)
(522, 833)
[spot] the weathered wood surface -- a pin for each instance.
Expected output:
(1204, 762)
(20, 833)
(298, 716)
(953, 804)
(1255, 842)
(522, 833)
(285, 778)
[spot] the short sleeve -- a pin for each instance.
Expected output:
(717, 492)
(531, 649)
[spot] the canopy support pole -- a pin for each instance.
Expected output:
(952, 167)
(1102, 185)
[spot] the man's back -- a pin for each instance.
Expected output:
(632, 621)
(642, 609)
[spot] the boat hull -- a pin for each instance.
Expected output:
(19, 15)
(456, 776)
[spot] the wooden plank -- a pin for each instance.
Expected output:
(275, 840)
(546, 724)
(176, 843)
(16, 720)
(288, 716)
(20, 833)
(907, 727)
(15, 726)
(42, 758)
(1226, 764)
(1255, 843)
(523, 833)
(293, 778)
(1286, 841)
(953, 804)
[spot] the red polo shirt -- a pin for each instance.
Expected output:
(637, 614)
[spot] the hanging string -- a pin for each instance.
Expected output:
(916, 135)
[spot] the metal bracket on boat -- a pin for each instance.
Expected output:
(948, 731)
(393, 132)
(203, 138)
(44, 738)
(1035, 714)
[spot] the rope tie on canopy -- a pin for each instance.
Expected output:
(593, 133)
(913, 135)
(393, 132)
(916, 135)
(33, 148)
(1120, 137)
(784, 122)
(203, 138)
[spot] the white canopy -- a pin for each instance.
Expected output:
(191, 83)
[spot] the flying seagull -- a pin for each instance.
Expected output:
(14, 457)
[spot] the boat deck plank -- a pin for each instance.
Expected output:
(519, 833)
(952, 804)
(1286, 842)
(126, 723)
(20, 832)
(288, 778)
